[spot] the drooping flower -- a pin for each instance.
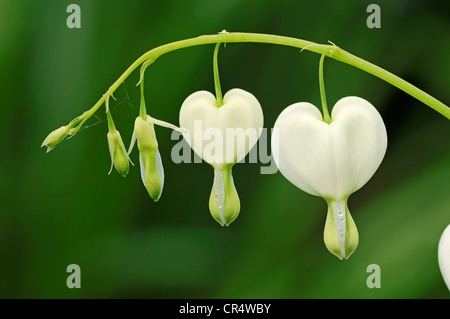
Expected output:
(331, 160)
(222, 135)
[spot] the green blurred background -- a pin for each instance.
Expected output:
(62, 208)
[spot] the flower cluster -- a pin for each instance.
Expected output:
(331, 157)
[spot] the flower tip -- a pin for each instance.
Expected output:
(55, 137)
(48, 148)
(444, 255)
(225, 224)
(155, 197)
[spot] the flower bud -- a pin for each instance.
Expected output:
(444, 255)
(119, 155)
(152, 171)
(56, 137)
(224, 203)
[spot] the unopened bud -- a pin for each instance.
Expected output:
(152, 171)
(119, 155)
(56, 137)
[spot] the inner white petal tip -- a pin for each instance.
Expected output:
(340, 223)
(219, 192)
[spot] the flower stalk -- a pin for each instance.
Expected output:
(323, 98)
(217, 78)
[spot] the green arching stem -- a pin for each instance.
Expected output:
(328, 50)
(219, 99)
(323, 98)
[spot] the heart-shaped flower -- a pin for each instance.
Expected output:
(331, 160)
(222, 136)
(444, 255)
(216, 133)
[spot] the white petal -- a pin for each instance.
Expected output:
(241, 110)
(360, 142)
(304, 151)
(444, 255)
(330, 160)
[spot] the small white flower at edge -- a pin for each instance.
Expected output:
(444, 256)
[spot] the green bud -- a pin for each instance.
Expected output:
(152, 171)
(119, 155)
(56, 137)
(340, 235)
(224, 203)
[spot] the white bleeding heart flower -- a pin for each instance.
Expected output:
(222, 135)
(331, 160)
(444, 255)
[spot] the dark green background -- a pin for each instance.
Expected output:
(62, 208)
